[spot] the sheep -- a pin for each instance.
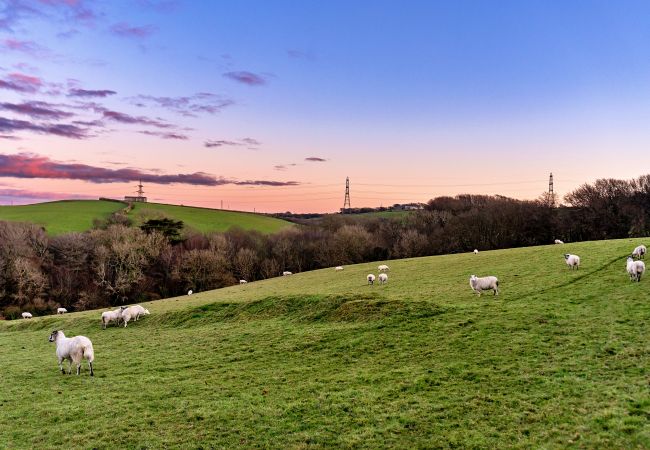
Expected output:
(639, 252)
(573, 261)
(26, 315)
(635, 269)
(285, 273)
(74, 350)
(110, 316)
(133, 312)
(371, 278)
(61, 310)
(484, 284)
(476, 251)
(557, 241)
(383, 268)
(383, 278)
(190, 292)
(337, 268)
(243, 281)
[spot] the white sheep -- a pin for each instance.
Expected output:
(639, 252)
(285, 273)
(371, 278)
(484, 284)
(383, 278)
(635, 269)
(337, 268)
(383, 268)
(133, 313)
(243, 281)
(476, 251)
(26, 315)
(110, 316)
(61, 310)
(557, 241)
(74, 349)
(573, 261)
(190, 292)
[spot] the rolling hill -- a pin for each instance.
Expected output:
(320, 359)
(78, 215)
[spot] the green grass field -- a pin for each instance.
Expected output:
(63, 216)
(78, 215)
(559, 360)
(205, 220)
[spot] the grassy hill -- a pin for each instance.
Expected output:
(62, 216)
(205, 220)
(78, 215)
(320, 359)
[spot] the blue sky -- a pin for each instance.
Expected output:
(421, 98)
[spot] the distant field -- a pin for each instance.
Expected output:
(320, 360)
(63, 216)
(78, 215)
(205, 220)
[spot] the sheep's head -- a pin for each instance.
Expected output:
(472, 277)
(566, 256)
(53, 335)
(146, 312)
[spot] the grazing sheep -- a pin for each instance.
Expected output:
(285, 273)
(484, 284)
(371, 278)
(337, 268)
(73, 349)
(190, 292)
(557, 241)
(243, 281)
(383, 278)
(133, 313)
(476, 251)
(61, 310)
(26, 315)
(383, 268)
(635, 269)
(110, 316)
(639, 252)
(573, 261)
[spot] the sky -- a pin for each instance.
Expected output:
(270, 105)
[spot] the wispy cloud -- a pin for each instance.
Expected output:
(30, 48)
(299, 54)
(37, 110)
(63, 130)
(123, 29)
(202, 102)
(251, 143)
(90, 93)
(315, 159)
(40, 195)
(244, 77)
(116, 116)
(165, 135)
(25, 165)
(21, 83)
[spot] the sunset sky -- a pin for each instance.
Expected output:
(269, 105)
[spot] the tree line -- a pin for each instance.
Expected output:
(118, 263)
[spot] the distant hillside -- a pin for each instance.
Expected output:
(205, 220)
(63, 216)
(77, 216)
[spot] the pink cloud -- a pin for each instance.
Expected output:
(35, 166)
(36, 109)
(123, 29)
(245, 77)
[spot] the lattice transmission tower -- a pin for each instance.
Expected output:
(346, 201)
(550, 184)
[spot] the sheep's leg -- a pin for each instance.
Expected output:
(70, 366)
(90, 364)
(61, 365)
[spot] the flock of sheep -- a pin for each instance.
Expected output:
(78, 348)
(635, 269)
